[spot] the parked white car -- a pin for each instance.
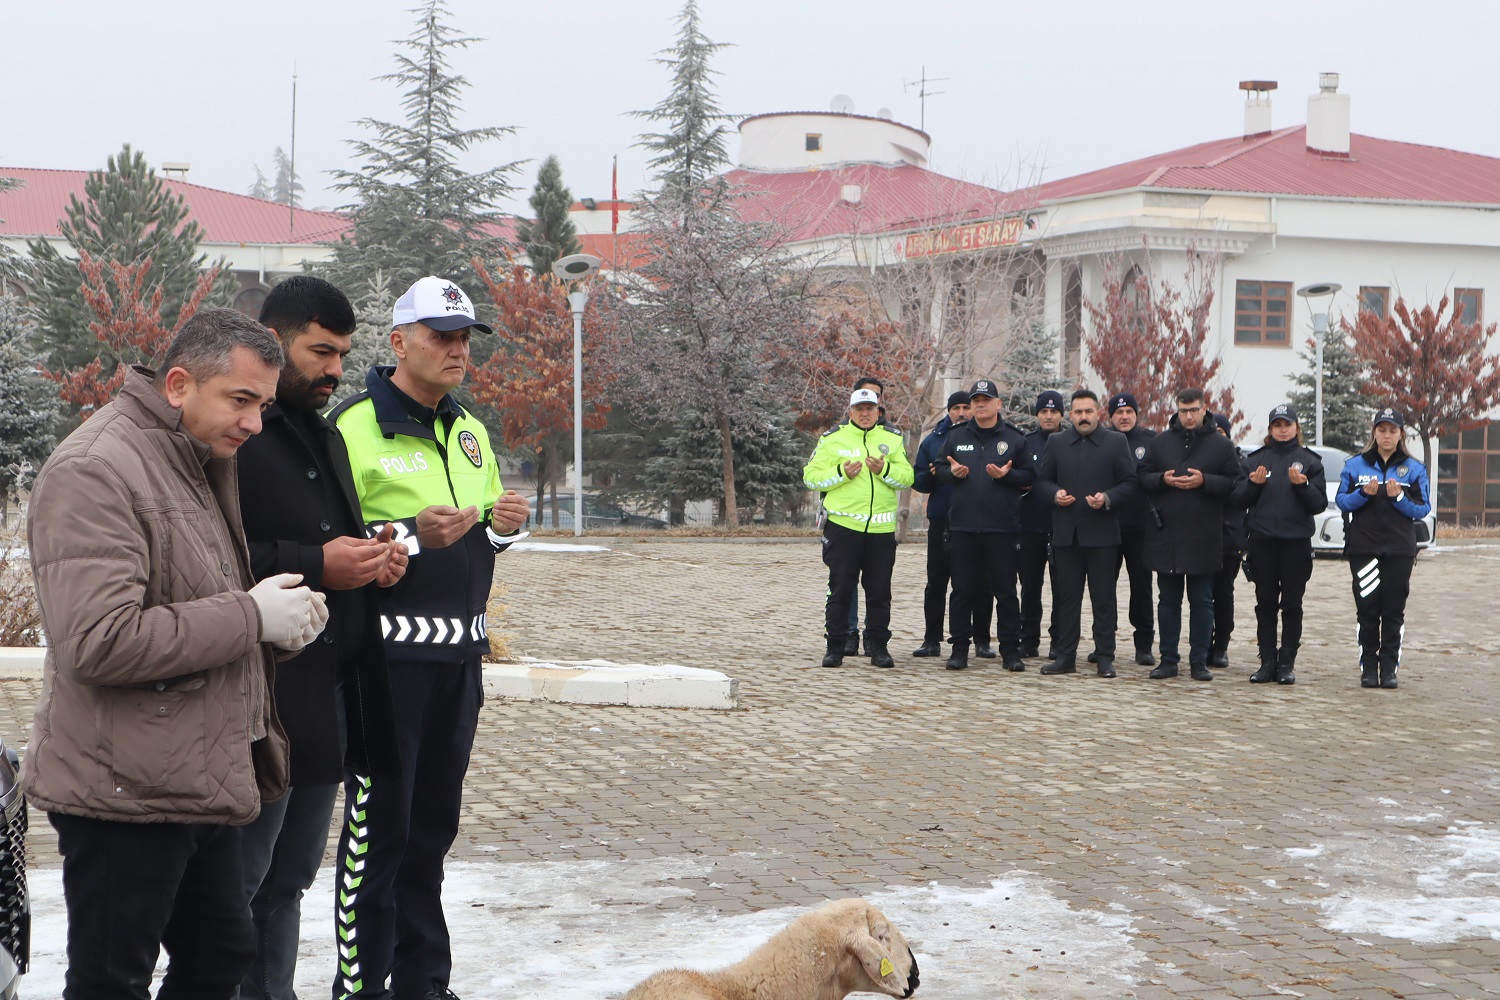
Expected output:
(1328, 527)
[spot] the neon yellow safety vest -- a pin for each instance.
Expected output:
(867, 502)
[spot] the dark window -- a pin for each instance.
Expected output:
(1263, 312)
(814, 141)
(1447, 464)
(1473, 440)
(1468, 304)
(1375, 299)
(1492, 467)
(1072, 321)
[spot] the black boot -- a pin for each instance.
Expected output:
(834, 657)
(1368, 678)
(880, 656)
(1164, 671)
(1286, 661)
(984, 650)
(1218, 658)
(1387, 677)
(1012, 661)
(928, 648)
(1267, 672)
(1200, 672)
(960, 658)
(1105, 666)
(1061, 665)
(1144, 658)
(851, 644)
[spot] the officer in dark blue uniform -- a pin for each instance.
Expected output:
(1036, 532)
(1124, 414)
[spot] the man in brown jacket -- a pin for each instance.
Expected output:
(155, 738)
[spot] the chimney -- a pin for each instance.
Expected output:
(1328, 118)
(1257, 105)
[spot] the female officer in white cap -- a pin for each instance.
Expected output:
(1382, 491)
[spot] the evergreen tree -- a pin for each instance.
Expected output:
(287, 189)
(1031, 367)
(261, 188)
(553, 234)
(415, 211)
(1346, 408)
(694, 141)
(768, 463)
(127, 215)
(372, 302)
(28, 403)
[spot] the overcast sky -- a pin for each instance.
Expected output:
(1056, 88)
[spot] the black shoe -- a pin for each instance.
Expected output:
(1267, 672)
(1387, 678)
(1368, 678)
(959, 660)
(984, 650)
(1285, 663)
(834, 657)
(1219, 659)
(1164, 671)
(1051, 652)
(851, 644)
(1094, 657)
(440, 993)
(1144, 658)
(928, 649)
(1031, 652)
(1013, 663)
(1105, 667)
(880, 656)
(1200, 672)
(1065, 666)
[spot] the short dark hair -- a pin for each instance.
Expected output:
(206, 342)
(1190, 396)
(302, 300)
(869, 380)
(1083, 394)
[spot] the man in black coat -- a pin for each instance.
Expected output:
(302, 516)
(987, 463)
(1188, 471)
(1086, 474)
(1124, 416)
(1036, 533)
(939, 572)
(1234, 557)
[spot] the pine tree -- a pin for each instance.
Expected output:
(261, 188)
(372, 303)
(1030, 363)
(28, 403)
(694, 141)
(415, 211)
(287, 189)
(127, 215)
(1346, 408)
(553, 234)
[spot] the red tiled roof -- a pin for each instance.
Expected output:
(34, 208)
(809, 204)
(1280, 163)
(623, 251)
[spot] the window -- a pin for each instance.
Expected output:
(814, 141)
(1468, 304)
(1468, 477)
(1262, 312)
(1072, 321)
(1375, 299)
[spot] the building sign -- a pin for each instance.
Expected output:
(962, 239)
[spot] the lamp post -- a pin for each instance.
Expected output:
(1320, 336)
(573, 269)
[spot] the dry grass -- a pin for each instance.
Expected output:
(494, 613)
(1455, 531)
(749, 531)
(20, 616)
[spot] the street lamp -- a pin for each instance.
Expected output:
(572, 269)
(1320, 335)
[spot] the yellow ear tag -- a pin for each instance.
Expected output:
(886, 968)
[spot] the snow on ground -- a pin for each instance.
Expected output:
(554, 547)
(592, 929)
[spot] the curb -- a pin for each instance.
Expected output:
(569, 682)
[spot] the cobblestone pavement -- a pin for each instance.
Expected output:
(1232, 824)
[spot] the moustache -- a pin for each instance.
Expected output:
(326, 383)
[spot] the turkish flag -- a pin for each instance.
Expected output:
(614, 197)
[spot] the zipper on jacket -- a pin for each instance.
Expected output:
(869, 519)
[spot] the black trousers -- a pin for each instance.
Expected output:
(1381, 584)
(1224, 601)
(937, 593)
(1282, 567)
(984, 569)
(388, 899)
(133, 889)
(855, 557)
(1142, 583)
(1072, 566)
(1031, 567)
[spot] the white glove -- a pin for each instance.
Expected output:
(287, 611)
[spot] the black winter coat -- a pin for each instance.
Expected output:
(288, 515)
(1036, 510)
(1084, 465)
(1134, 515)
(1190, 539)
(982, 503)
(1278, 508)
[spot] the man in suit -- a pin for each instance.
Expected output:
(1087, 472)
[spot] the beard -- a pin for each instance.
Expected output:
(296, 391)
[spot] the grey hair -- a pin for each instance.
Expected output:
(205, 345)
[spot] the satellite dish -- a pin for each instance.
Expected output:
(841, 104)
(885, 113)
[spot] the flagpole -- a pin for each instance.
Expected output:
(614, 214)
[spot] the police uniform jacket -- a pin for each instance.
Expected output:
(1133, 513)
(940, 496)
(1084, 465)
(1190, 539)
(298, 494)
(1036, 510)
(404, 460)
(1381, 525)
(981, 503)
(1278, 507)
(867, 503)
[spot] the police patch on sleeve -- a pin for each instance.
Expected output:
(470, 444)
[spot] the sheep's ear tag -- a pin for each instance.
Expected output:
(886, 968)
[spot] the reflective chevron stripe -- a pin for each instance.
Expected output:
(431, 631)
(355, 842)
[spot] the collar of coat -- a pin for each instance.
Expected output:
(140, 388)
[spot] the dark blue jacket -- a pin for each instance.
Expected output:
(1381, 525)
(981, 503)
(1036, 510)
(1278, 508)
(1133, 513)
(940, 495)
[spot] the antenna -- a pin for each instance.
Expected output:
(291, 182)
(923, 93)
(841, 104)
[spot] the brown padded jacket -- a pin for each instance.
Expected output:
(155, 702)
